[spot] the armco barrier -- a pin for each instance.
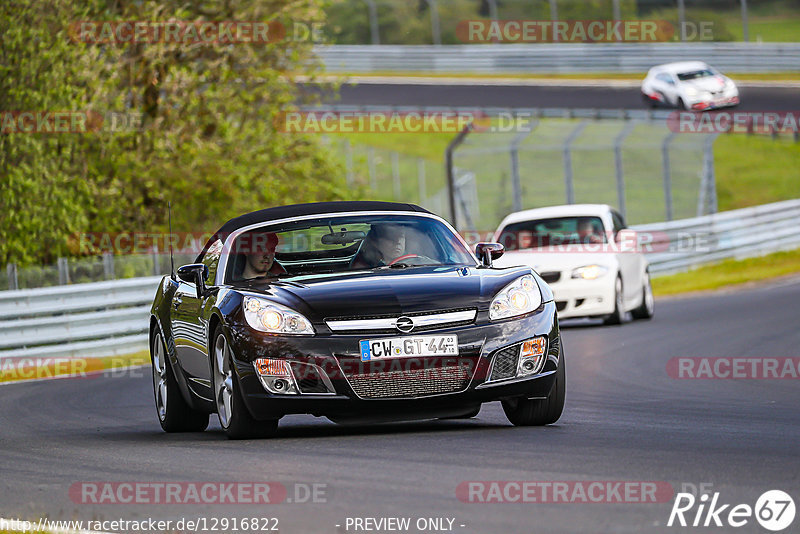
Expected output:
(106, 318)
(557, 58)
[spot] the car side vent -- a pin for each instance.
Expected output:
(505, 363)
(551, 277)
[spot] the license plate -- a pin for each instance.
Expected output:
(408, 347)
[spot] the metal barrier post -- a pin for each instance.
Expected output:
(396, 175)
(373, 177)
(667, 174)
(63, 271)
(348, 155)
(682, 19)
(421, 181)
(373, 22)
(108, 266)
(436, 30)
(626, 130)
(13, 279)
(745, 25)
(568, 161)
(711, 180)
(516, 184)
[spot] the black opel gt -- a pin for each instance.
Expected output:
(356, 311)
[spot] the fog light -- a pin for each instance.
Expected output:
(276, 376)
(532, 356)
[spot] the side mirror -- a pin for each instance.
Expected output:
(194, 273)
(487, 252)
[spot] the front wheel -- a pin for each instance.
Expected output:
(538, 412)
(174, 413)
(234, 418)
(618, 315)
(646, 309)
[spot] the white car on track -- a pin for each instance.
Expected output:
(586, 254)
(689, 85)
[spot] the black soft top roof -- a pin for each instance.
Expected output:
(311, 208)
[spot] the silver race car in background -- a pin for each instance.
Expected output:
(689, 85)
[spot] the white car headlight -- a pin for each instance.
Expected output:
(518, 298)
(589, 272)
(268, 316)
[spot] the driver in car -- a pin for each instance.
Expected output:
(383, 244)
(587, 233)
(259, 251)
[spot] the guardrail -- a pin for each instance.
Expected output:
(107, 318)
(95, 319)
(684, 244)
(557, 58)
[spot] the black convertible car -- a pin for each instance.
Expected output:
(357, 311)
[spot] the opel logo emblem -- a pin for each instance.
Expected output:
(404, 324)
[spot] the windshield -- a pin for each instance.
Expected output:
(343, 243)
(695, 74)
(553, 232)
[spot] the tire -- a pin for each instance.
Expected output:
(618, 316)
(174, 413)
(234, 418)
(682, 105)
(538, 412)
(646, 309)
(649, 102)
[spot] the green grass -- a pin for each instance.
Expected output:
(729, 273)
(753, 170)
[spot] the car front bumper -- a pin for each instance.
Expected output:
(337, 355)
(584, 298)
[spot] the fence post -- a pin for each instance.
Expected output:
(13, 279)
(492, 9)
(711, 180)
(667, 174)
(156, 266)
(626, 130)
(682, 19)
(745, 25)
(348, 155)
(554, 15)
(373, 178)
(436, 31)
(63, 271)
(568, 161)
(423, 189)
(448, 164)
(516, 183)
(108, 266)
(374, 30)
(396, 176)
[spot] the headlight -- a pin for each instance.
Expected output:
(518, 298)
(589, 272)
(268, 316)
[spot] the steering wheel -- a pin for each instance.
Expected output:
(404, 257)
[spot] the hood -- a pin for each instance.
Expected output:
(709, 83)
(388, 291)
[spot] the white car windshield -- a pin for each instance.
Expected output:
(553, 232)
(695, 74)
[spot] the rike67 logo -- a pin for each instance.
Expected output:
(774, 510)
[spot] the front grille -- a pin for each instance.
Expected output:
(409, 378)
(505, 363)
(393, 330)
(551, 277)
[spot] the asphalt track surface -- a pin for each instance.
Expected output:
(538, 96)
(625, 419)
